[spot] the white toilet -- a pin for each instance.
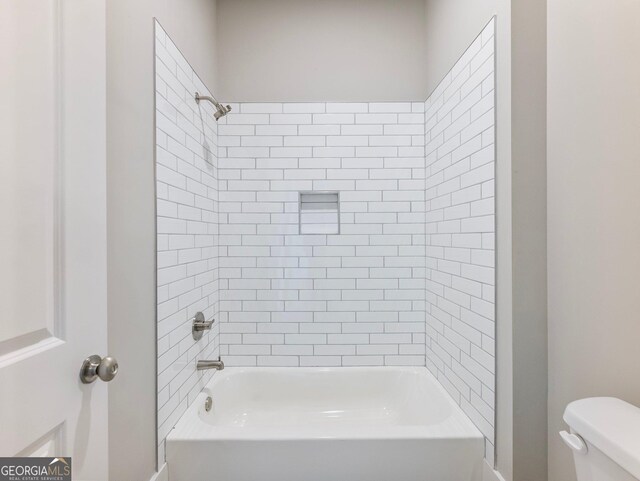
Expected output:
(605, 439)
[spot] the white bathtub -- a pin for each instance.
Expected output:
(325, 424)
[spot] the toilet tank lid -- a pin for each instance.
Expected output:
(611, 425)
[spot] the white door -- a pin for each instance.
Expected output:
(53, 230)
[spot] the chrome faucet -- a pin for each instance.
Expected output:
(204, 364)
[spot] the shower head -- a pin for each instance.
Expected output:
(221, 110)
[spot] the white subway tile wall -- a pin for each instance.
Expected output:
(409, 280)
(352, 299)
(187, 228)
(460, 233)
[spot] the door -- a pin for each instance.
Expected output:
(53, 230)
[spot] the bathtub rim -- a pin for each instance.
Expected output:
(458, 426)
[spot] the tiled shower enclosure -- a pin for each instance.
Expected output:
(398, 271)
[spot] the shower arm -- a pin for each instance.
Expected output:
(213, 100)
(221, 110)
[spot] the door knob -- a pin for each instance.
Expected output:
(97, 367)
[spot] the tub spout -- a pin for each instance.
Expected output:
(205, 364)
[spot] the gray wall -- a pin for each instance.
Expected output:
(450, 27)
(131, 211)
(330, 50)
(529, 230)
(594, 225)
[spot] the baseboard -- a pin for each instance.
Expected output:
(162, 474)
(490, 474)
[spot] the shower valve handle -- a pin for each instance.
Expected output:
(199, 325)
